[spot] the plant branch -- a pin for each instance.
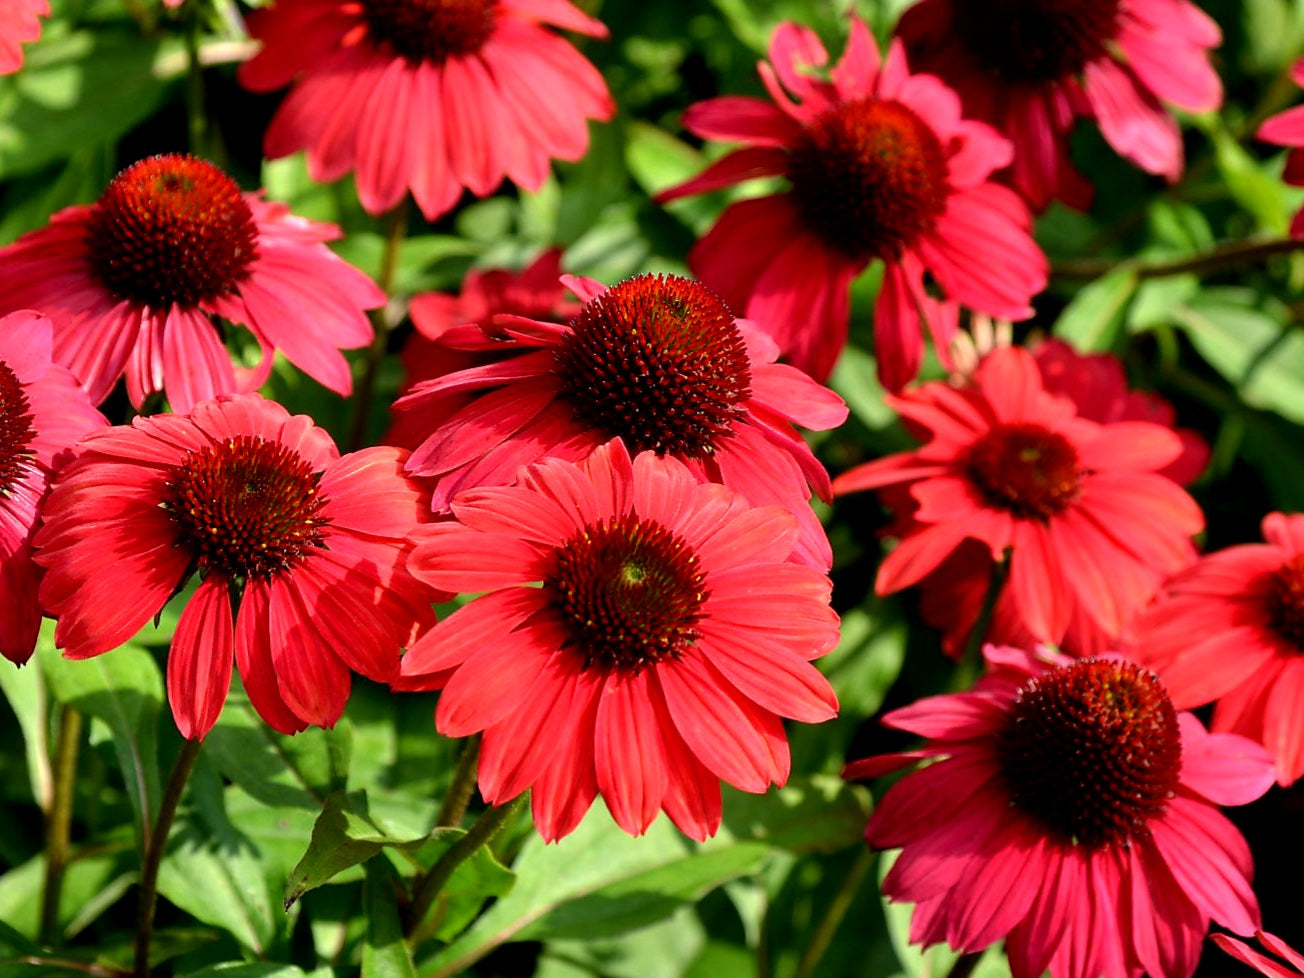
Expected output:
(428, 886)
(453, 810)
(1229, 255)
(833, 916)
(58, 819)
(964, 965)
(154, 849)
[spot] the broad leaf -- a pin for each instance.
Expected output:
(122, 689)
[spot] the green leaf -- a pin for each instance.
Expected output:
(1093, 318)
(1249, 182)
(77, 89)
(862, 668)
(474, 882)
(25, 690)
(277, 770)
(216, 876)
(84, 880)
(1235, 331)
(345, 835)
(259, 969)
(599, 881)
(385, 953)
(820, 814)
(122, 689)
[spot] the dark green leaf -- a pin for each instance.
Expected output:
(1093, 318)
(76, 90)
(385, 953)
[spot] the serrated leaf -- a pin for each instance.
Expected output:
(344, 836)
(819, 814)
(122, 689)
(1093, 318)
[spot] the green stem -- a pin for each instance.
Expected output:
(452, 811)
(833, 916)
(58, 823)
(196, 111)
(964, 965)
(382, 321)
(428, 886)
(1224, 256)
(154, 848)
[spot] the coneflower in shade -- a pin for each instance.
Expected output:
(1260, 962)
(1287, 129)
(952, 597)
(301, 556)
(1069, 809)
(1230, 629)
(656, 360)
(669, 637)
(135, 283)
(536, 292)
(19, 23)
(1032, 68)
(42, 414)
(430, 96)
(880, 166)
(1092, 528)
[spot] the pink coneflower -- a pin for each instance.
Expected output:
(1231, 629)
(656, 360)
(670, 636)
(1092, 526)
(301, 556)
(1033, 67)
(427, 95)
(880, 166)
(133, 284)
(1287, 129)
(1260, 963)
(42, 414)
(19, 24)
(536, 293)
(1068, 809)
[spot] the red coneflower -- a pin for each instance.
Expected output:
(1069, 809)
(1033, 67)
(427, 95)
(133, 284)
(1231, 629)
(669, 637)
(951, 597)
(1092, 526)
(301, 556)
(880, 166)
(656, 360)
(42, 414)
